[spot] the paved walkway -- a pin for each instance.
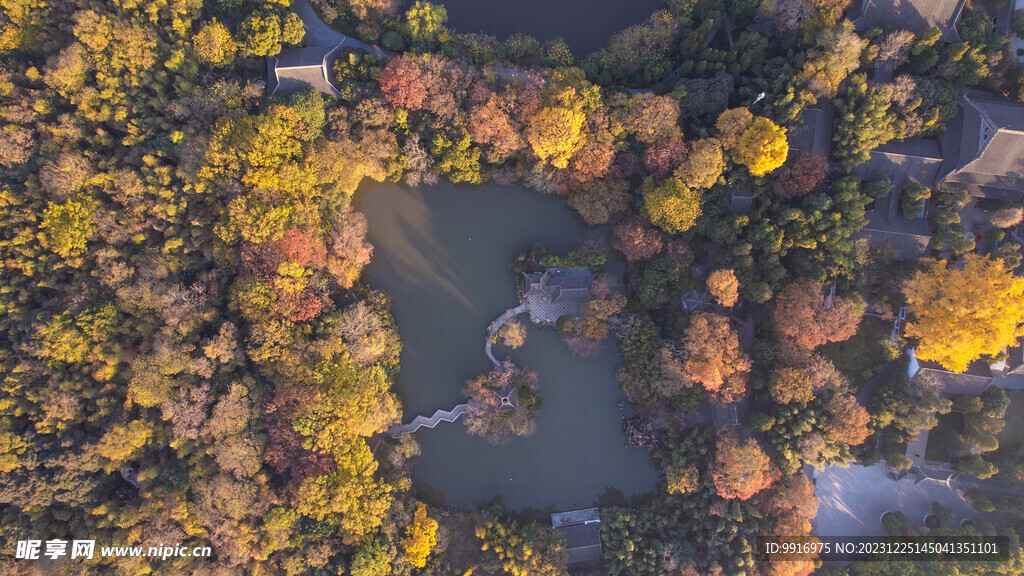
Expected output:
(864, 396)
(320, 34)
(399, 430)
(492, 331)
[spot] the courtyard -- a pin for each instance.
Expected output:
(853, 499)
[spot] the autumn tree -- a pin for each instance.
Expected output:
(350, 251)
(214, 44)
(960, 313)
(1007, 217)
(403, 84)
(68, 226)
(601, 201)
(790, 384)
(715, 360)
(704, 165)
(835, 55)
(731, 124)
(651, 118)
(847, 421)
(420, 537)
(723, 285)
(803, 177)
(802, 322)
(741, 467)
(425, 23)
(664, 156)
(493, 124)
(263, 33)
(555, 133)
(762, 147)
(636, 239)
(671, 205)
(512, 334)
(594, 319)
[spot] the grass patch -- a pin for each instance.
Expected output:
(944, 437)
(862, 357)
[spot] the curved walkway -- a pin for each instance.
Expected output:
(399, 430)
(320, 34)
(492, 331)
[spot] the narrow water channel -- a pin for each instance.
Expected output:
(443, 256)
(585, 25)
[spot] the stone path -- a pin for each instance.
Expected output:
(492, 331)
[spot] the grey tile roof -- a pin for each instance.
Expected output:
(297, 69)
(582, 531)
(813, 132)
(886, 224)
(914, 15)
(913, 159)
(984, 145)
(557, 292)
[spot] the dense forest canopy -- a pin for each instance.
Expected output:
(188, 354)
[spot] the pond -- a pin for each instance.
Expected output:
(585, 25)
(443, 256)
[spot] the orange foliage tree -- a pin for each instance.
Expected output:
(715, 359)
(741, 467)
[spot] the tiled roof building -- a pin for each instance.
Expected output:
(914, 15)
(983, 148)
(298, 69)
(557, 292)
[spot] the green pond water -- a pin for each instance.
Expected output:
(443, 256)
(585, 25)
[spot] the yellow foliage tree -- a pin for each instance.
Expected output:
(349, 497)
(762, 147)
(421, 537)
(213, 44)
(704, 165)
(671, 206)
(960, 313)
(724, 286)
(555, 133)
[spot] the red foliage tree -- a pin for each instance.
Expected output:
(490, 124)
(303, 246)
(403, 84)
(284, 451)
(802, 323)
(299, 306)
(665, 156)
(636, 239)
(806, 173)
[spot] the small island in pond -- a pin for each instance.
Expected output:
(505, 401)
